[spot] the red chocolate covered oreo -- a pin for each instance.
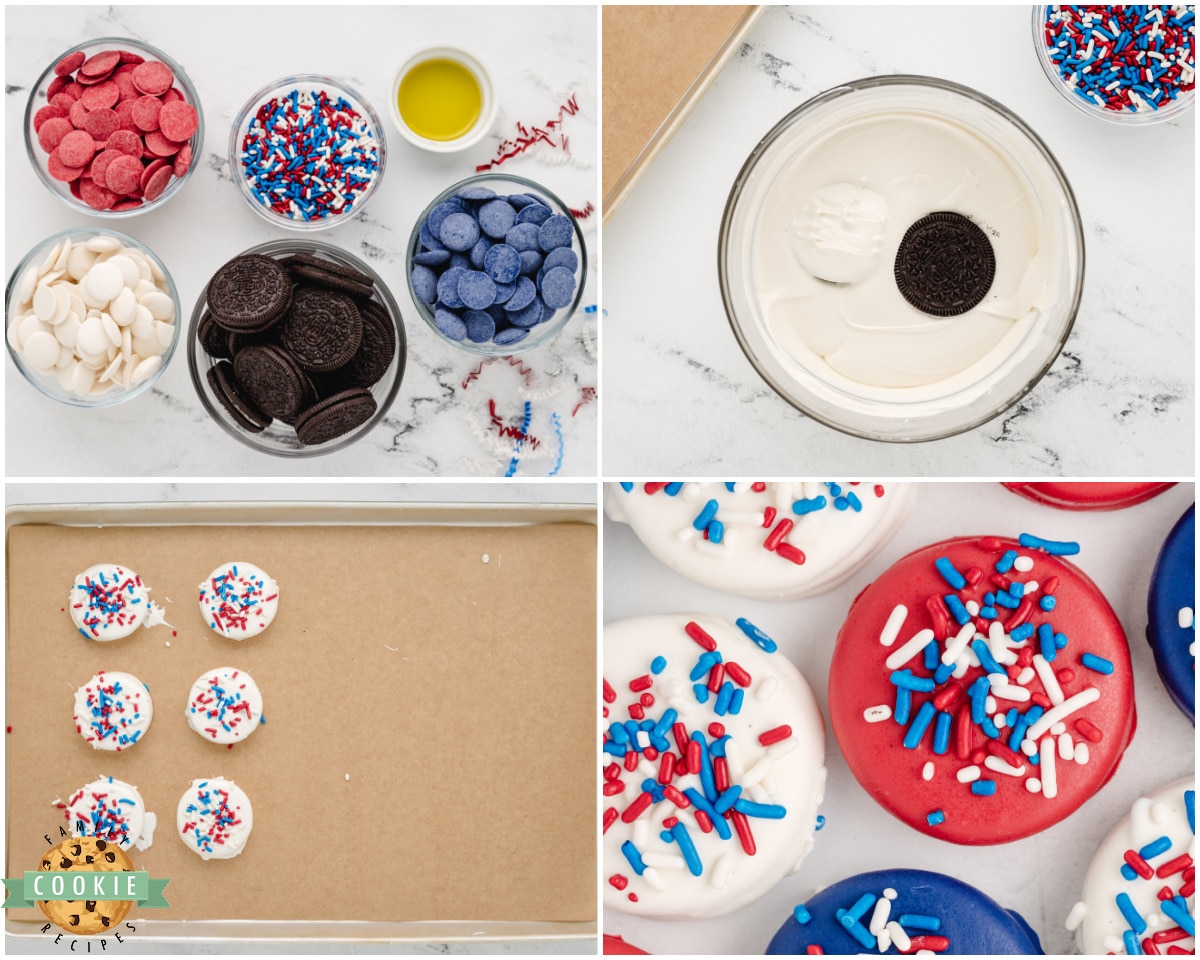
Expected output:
(1089, 496)
(981, 688)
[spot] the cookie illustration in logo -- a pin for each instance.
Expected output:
(86, 855)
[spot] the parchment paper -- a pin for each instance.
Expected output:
(470, 747)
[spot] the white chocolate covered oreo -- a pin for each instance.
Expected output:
(714, 753)
(238, 600)
(112, 810)
(113, 710)
(214, 818)
(225, 705)
(1139, 896)
(779, 540)
(109, 601)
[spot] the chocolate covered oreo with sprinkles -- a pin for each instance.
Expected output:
(945, 264)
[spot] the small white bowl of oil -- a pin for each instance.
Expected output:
(442, 100)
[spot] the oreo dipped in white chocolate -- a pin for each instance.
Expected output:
(238, 600)
(109, 601)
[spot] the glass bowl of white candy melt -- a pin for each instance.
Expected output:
(91, 317)
(901, 258)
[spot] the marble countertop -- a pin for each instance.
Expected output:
(1041, 876)
(1120, 398)
(440, 423)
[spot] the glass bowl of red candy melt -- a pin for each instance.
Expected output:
(112, 127)
(1132, 65)
(307, 152)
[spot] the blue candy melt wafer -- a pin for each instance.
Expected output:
(531, 262)
(510, 335)
(530, 315)
(480, 326)
(460, 260)
(447, 288)
(523, 236)
(520, 200)
(450, 324)
(459, 231)
(478, 252)
(555, 232)
(522, 296)
(502, 263)
(558, 287)
(535, 212)
(439, 213)
(496, 218)
(562, 257)
(504, 292)
(432, 258)
(424, 283)
(477, 290)
(428, 240)
(477, 193)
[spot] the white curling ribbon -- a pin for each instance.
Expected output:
(1049, 775)
(1002, 766)
(968, 774)
(654, 879)
(1064, 709)
(891, 629)
(664, 861)
(911, 647)
(766, 689)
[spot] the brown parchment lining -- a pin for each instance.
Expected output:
(470, 747)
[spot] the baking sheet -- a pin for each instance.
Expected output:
(1041, 876)
(658, 62)
(469, 797)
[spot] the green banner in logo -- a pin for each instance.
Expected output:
(65, 885)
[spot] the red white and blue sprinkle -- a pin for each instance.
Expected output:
(308, 155)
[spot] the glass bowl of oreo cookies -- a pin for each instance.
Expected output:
(296, 348)
(901, 258)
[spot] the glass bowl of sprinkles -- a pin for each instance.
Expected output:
(279, 438)
(1134, 65)
(524, 296)
(116, 356)
(97, 134)
(307, 152)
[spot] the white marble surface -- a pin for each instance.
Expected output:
(680, 395)
(1041, 876)
(538, 56)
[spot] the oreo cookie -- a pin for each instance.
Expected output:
(945, 264)
(270, 378)
(335, 416)
(323, 330)
(323, 277)
(329, 266)
(250, 293)
(245, 414)
(213, 337)
(375, 354)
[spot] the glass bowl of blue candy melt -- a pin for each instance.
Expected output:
(307, 152)
(496, 264)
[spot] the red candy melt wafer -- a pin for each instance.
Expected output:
(76, 148)
(100, 163)
(126, 141)
(77, 113)
(70, 63)
(47, 112)
(153, 77)
(100, 96)
(52, 131)
(178, 121)
(123, 174)
(131, 58)
(145, 112)
(160, 145)
(96, 196)
(151, 169)
(183, 160)
(61, 171)
(101, 65)
(101, 124)
(57, 86)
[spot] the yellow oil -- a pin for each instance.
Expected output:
(440, 99)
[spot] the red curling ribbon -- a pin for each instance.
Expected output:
(697, 633)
